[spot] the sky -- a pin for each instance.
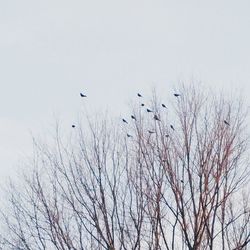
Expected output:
(51, 50)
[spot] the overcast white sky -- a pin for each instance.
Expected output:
(51, 50)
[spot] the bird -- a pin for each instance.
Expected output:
(73, 126)
(124, 120)
(148, 110)
(128, 135)
(139, 95)
(227, 123)
(142, 104)
(151, 132)
(167, 135)
(82, 95)
(163, 105)
(172, 127)
(133, 117)
(176, 95)
(156, 118)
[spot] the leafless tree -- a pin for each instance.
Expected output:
(180, 181)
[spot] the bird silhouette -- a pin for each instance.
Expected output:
(176, 95)
(149, 110)
(227, 123)
(82, 95)
(142, 104)
(133, 117)
(129, 136)
(172, 127)
(124, 120)
(156, 118)
(151, 132)
(163, 105)
(139, 95)
(73, 126)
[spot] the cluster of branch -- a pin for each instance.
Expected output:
(181, 188)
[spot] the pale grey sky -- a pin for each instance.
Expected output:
(51, 50)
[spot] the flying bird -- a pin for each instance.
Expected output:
(156, 118)
(163, 105)
(148, 110)
(172, 127)
(124, 120)
(82, 95)
(133, 117)
(73, 126)
(176, 95)
(226, 123)
(139, 95)
(129, 136)
(142, 104)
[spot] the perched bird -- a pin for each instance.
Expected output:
(124, 120)
(138, 94)
(142, 104)
(129, 136)
(163, 105)
(226, 123)
(73, 126)
(172, 127)
(82, 95)
(176, 95)
(148, 110)
(151, 132)
(133, 117)
(156, 118)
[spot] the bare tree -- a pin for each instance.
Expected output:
(180, 180)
